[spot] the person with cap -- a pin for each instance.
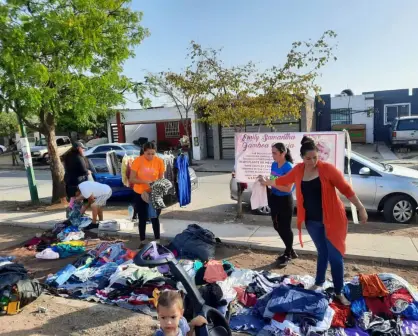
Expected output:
(76, 169)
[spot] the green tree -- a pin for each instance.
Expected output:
(8, 122)
(240, 95)
(63, 59)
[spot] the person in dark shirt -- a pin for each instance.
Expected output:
(76, 170)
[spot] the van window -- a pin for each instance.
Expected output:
(407, 125)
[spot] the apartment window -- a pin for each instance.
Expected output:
(341, 116)
(393, 111)
(172, 129)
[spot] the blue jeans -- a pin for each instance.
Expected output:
(326, 253)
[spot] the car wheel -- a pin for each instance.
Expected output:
(264, 211)
(1, 151)
(399, 209)
(47, 161)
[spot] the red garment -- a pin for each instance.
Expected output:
(335, 216)
(247, 299)
(279, 317)
(214, 272)
(401, 294)
(379, 306)
(372, 286)
(341, 316)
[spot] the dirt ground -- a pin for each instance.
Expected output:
(71, 317)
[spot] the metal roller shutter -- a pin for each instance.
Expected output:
(228, 135)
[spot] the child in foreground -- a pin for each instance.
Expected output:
(170, 311)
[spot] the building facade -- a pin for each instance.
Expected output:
(160, 124)
(374, 109)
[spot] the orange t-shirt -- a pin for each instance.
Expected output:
(147, 170)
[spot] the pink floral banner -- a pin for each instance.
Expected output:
(253, 151)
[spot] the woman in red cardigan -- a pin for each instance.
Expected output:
(322, 211)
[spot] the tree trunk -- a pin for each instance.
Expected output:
(239, 202)
(186, 124)
(57, 170)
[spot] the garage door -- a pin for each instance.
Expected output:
(228, 135)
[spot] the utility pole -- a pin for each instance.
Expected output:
(27, 157)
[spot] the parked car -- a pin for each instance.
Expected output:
(3, 149)
(95, 142)
(39, 152)
(98, 166)
(123, 148)
(381, 187)
(404, 132)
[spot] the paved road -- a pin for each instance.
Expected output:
(211, 198)
(14, 185)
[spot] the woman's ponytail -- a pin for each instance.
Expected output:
(288, 156)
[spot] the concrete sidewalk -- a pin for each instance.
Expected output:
(389, 249)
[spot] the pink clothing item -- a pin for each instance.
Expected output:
(72, 200)
(214, 272)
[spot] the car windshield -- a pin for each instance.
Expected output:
(41, 142)
(131, 148)
(372, 163)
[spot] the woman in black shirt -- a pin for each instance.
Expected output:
(76, 170)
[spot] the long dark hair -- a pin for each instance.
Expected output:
(283, 149)
(148, 145)
(308, 144)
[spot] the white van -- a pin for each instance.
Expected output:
(404, 132)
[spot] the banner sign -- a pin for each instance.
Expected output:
(25, 148)
(253, 155)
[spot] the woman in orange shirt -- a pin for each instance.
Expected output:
(322, 211)
(146, 169)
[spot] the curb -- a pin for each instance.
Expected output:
(229, 242)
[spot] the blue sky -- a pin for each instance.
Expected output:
(377, 39)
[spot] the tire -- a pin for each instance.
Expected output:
(263, 211)
(1, 151)
(399, 209)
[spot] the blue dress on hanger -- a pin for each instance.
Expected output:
(183, 180)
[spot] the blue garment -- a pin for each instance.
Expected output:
(152, 213)
(64, 274)
(183, 328)
(183, 180)
(246, 322)
(411, 312)
(359, 307)
(276, 172)
(289, 299)
(66, 251)
(326, 253)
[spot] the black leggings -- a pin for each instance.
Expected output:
(281, 214)
(141, 208)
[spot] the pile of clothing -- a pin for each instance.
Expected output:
(64, 240)
(16, 288)
(381, 304)
(108, 275)
(255, 302)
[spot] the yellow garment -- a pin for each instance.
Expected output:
(127, 160)
(155, 296)
(71, 243)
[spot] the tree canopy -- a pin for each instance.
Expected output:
(63, 59)
(9, 125)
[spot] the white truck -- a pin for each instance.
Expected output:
(39, 152)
